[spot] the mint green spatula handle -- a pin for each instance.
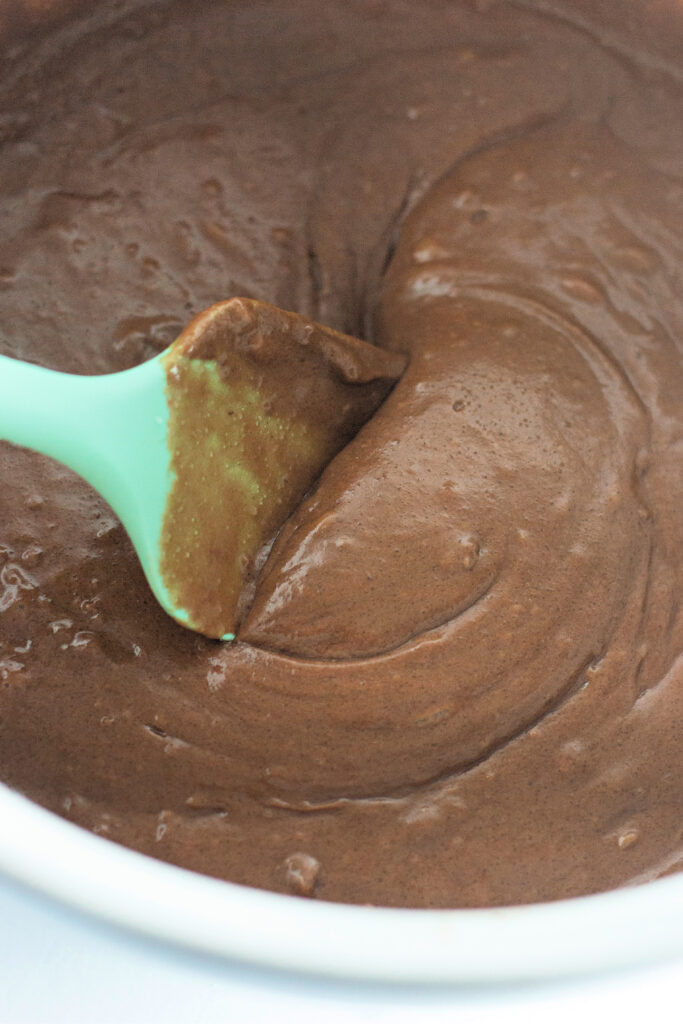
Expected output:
(110, 429)
(58, 414)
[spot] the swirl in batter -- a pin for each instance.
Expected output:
(460, 681)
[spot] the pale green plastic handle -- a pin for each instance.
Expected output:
(110, 429)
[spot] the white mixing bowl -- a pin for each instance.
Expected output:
(622, 928)
(593, 933)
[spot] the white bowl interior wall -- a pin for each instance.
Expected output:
(621, 928)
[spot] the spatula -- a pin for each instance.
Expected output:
(205, 450)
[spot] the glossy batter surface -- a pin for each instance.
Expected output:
(460, 681)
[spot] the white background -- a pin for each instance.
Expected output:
(56, 966)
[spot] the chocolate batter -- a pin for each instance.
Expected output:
(460, 682)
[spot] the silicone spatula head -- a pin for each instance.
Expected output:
(259, 402)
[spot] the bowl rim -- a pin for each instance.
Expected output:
(621, 928)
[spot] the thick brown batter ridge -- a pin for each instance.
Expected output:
(460, 680)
